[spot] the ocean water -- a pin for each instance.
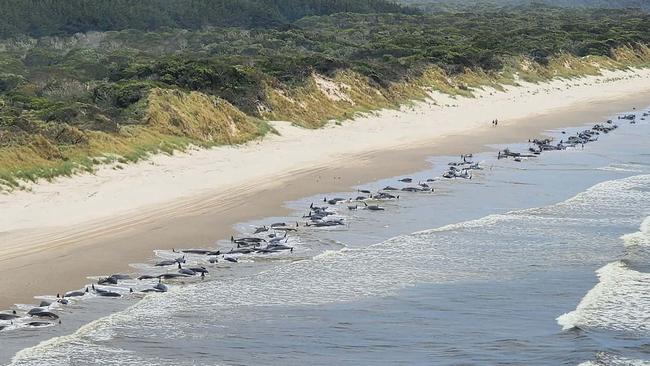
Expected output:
(539, 262)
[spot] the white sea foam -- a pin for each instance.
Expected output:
(621, 167)
(608, 359)
(618, 302)
(617, 196)
(639, 238)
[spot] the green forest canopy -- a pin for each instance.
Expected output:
(64, 17)
(490, 5)
(114, 70)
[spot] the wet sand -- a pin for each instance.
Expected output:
(52, 260)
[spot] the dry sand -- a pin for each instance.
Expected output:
(55, 235)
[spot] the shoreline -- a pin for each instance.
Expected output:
(107, 239)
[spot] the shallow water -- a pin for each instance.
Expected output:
(543, 262)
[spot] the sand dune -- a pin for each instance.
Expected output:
(81, 218)
(168, 178)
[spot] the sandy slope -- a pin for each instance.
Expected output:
(70, 201)
(85, 221)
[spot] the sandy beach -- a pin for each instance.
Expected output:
(54, 235)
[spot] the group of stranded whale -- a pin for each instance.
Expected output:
(579, 139)
(274, 238)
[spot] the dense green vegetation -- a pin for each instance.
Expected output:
(491, 5)
(64, 17)
(69, 102)
(601, 4)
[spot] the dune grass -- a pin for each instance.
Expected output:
(175, 119)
